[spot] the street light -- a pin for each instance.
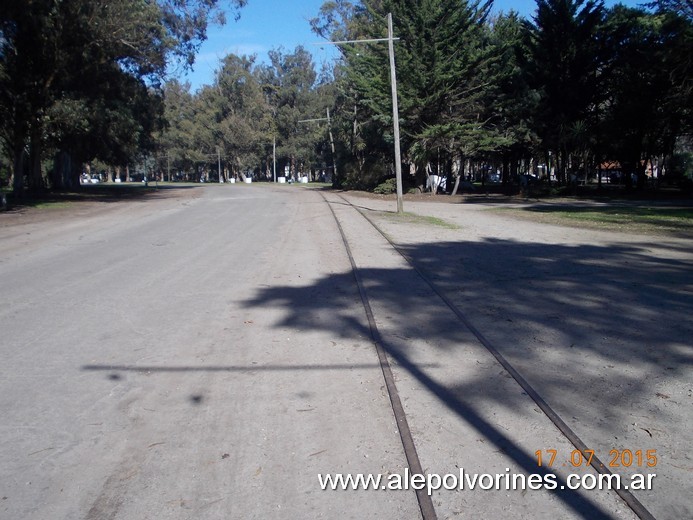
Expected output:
(395, 110)
(329, 131)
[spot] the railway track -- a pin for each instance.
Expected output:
(426, 504)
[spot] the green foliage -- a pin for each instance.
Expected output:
(566, 56)
(362, 176)
(444, 62)
(249, 107)
(512, 103)
(386, 188)
(290, 86)
(576, 85)
(649, 75)
(80, 76)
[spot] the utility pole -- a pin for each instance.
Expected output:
(274, 157)
(334, 159)
(221, 179)
(395, 109)
(395, 114)
(329, 130)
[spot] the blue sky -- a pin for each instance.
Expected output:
(270, 24)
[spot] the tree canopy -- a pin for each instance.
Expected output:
(77, 69)
(555, 95)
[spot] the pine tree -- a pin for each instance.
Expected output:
(565, 63)
(441, 56)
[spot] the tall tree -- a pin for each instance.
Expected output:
(650, 86)
(565, 69)
(175, 143)
(54, 51)
(243, 116)
(440, 57)
(683, 8)
(513, 102)
(289, 83)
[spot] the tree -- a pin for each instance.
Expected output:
(289, 85)
(683, 8)
(650, 102)
(440, 58)
(112, 121)
(242, 113)
(513, 102)
(62, 57)
(174, 141)
(566, 56)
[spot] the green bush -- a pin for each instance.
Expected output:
(681, 165)
(387, 187)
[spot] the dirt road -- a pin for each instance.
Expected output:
(205, 353)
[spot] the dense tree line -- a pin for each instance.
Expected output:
(569, 89)
(80, 79)
(575, 86)
(253, 115)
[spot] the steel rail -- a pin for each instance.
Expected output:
(631, 501)
(425, 501)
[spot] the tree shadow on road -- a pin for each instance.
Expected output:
(618, 310)
(106, 193)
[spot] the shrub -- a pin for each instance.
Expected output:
(387, 187)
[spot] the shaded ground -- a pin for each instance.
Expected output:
(206, 357)
(659, 216)
(89, 200)
(598, 321)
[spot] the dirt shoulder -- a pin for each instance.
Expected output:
(596, 320)
(47, 220)
(90, 201)
(641, 217)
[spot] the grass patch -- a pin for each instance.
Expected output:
(110, 192)
(670, 217)
(628, 218)
(413, 218)
(51, 204)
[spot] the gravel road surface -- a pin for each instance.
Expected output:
(204, 353)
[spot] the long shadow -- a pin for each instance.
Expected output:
(243, 369)
(582, 295)
(460, 400)
(95, 193)
(615, 213)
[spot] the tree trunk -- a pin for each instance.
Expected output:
(505, 171)
(66, 171)
(456, 167)
(61, 170)
(36, 182)
(18, 172)
(640, 171)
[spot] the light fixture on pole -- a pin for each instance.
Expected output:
(329, 131)
(395, 109)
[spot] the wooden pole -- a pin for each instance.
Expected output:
(221, 179)
(395, 114)
(334, 159)
(274, 157)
